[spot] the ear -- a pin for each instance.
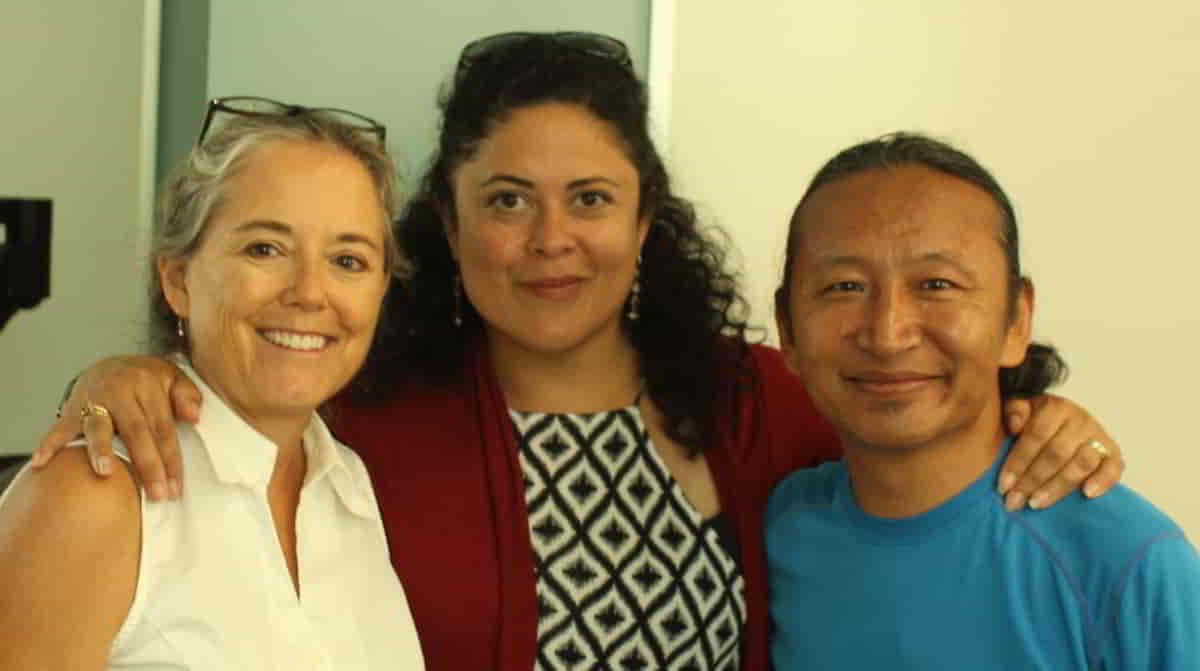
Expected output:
(1020, 328)
(787, 343)
(172, 273)
(449, 226)
(644, 223)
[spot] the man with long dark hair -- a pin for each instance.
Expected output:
(904, 310)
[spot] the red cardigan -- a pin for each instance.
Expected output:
(446, 472)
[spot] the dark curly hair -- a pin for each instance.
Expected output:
(690, 336)
(1042, 367)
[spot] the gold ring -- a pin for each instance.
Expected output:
(1098, 447)
(94, 410)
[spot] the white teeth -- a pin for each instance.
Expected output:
(300, 341)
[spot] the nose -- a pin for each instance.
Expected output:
(891, 324)
(307, 288)
(550, 234)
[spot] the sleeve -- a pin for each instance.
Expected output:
(1156, 617)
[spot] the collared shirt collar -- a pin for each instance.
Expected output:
(241, 455)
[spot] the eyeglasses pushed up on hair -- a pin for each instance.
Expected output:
(254, 106)
(603, 46)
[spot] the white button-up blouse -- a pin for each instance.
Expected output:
(214, 592)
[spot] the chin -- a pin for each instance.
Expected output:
(890, 442)
(891, 433)
(559, 344)
(557, 340)
(296, 395)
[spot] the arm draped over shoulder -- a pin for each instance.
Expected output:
(444, 463)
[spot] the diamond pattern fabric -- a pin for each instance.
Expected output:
(629, 576)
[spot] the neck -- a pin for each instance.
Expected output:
(287, 432)
(896, 482)
(291, 467)
(597, 375)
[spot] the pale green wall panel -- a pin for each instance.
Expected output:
(182, 79)
(383, 58)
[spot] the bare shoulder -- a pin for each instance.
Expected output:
(66, 497)
(67, 537)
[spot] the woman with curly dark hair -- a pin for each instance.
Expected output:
(571, 440)
(683, 314)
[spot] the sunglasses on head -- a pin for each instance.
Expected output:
(602, 46)
(265, 107)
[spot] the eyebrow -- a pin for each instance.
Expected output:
(361, 239)
(946, 258)
(928, 257)
(843, 260)
(267, 224)
(285, 229)
(529, 185)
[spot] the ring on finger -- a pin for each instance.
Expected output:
(1098, 446)
(94, 410)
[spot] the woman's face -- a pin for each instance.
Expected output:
(282, 297)
(547, 232)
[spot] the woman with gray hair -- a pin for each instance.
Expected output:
(272, 255)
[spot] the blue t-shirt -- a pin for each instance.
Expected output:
(1110, 583)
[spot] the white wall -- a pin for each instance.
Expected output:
(78, 117)
(1086, 112)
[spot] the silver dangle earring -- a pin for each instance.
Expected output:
(179, 328)
(457, 299)
(635, 291)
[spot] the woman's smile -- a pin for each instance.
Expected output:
(282, 299)
(564, 287)
(298, 341)
(549, 260)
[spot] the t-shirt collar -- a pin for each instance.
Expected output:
(912, 529)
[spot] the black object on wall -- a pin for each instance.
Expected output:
(25, 226)
(10, 465)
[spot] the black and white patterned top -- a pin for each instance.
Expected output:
(629, 576)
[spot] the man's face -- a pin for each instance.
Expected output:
(900, 308)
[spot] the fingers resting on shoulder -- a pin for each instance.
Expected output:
(1059, 448)
(138, 398)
